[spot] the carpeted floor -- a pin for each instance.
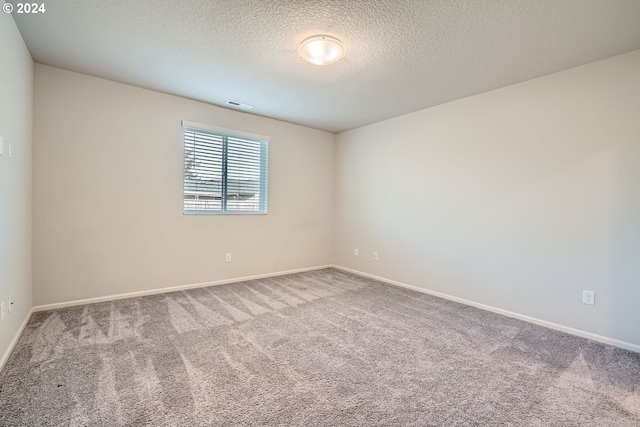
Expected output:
(323, 348)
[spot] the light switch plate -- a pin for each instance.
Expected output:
(1, 146)
(10, 153)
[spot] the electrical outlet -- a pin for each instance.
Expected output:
(589, 297)
(375, 256)
(228, 257)
(355, 252)
(10, 303)
(3, 311)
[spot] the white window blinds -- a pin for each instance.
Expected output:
(225, 171)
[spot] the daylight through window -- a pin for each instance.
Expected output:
(225, 171)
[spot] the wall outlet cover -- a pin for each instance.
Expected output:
(588, 297)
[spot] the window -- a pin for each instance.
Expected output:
(225, 171)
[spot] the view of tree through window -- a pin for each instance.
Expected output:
(224, 173)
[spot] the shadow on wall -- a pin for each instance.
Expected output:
(625, 278)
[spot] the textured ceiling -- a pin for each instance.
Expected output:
(402, 55)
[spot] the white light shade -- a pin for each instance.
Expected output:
(321, 50)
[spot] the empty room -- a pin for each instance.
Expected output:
(320, 213)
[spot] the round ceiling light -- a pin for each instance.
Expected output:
(321, 50)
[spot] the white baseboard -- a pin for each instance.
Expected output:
(170, 289)
(584, 334)
(15, 339)
(551, 325)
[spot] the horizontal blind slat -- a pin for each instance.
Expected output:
(246, 175)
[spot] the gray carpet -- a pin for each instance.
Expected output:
(322, 348)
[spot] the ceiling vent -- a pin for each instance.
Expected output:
(236, 104)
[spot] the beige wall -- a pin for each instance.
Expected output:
(518, 198)
(108, 194)
(16, 112)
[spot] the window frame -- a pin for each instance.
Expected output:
(225, 133)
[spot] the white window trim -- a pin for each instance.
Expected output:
(188, 124)
(231, 132)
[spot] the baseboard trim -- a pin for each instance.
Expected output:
(15, 339)
(578, 332)
(170, 289)
(584, 334)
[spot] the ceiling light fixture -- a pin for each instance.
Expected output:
(321, 50)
